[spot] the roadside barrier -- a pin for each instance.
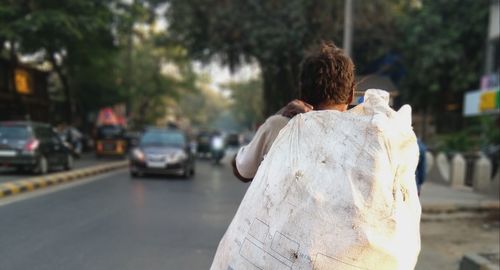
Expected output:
(35, 183)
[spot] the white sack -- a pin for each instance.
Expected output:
(336, 191)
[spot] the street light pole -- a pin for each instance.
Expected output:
(348, 28)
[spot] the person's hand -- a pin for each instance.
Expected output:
(295, 107)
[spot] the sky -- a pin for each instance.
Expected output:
(221, 74)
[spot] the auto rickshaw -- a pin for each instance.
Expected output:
(110, 141)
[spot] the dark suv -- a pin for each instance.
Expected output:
(32, 146)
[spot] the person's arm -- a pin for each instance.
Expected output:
(237, 174)
(249, 157)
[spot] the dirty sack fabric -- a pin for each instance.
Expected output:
(336, 191)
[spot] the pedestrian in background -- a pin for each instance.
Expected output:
(422, 166)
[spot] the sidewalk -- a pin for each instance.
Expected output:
(436, 198)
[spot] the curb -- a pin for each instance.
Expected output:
(30, 184)
(476, 261)
(439, 208)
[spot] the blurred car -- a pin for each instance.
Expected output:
(233, 140)
(32, 146)
(162, 151)
(203, 146)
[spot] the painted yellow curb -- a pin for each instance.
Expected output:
(30, 184)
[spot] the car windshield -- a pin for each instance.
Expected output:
(14, 132)
(163, 139)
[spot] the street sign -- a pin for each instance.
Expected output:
(23, 81)
(481, 102)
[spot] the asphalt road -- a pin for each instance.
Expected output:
(121, 223)
(87, 160)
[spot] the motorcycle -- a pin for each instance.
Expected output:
(72, 139)
(217, 149)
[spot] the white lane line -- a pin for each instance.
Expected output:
(59, 187)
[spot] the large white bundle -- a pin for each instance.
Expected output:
(336, 191)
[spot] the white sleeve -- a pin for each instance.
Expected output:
(250, 156)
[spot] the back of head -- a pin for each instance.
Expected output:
(327, 76)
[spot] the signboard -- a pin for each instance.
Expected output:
(23, 82)
(107, 117)
(482, 102)
(489, 81)
(112, 116)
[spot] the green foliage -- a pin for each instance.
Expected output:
(443, 47)
(456, 142)
(490, 131)
(278, 33)
(147, 85)
(246, 102)
(75, 36)
(480, 134)
(99, 54)
(274, 33)
(202, 107)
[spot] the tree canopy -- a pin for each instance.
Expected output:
(105, 51)
(442, 46)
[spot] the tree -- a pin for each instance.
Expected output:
(277, 35)
(104, 52)
(67, 33)
(246, 102)
(273, 33)
(149, 84)
(202, 106)
(442, 43)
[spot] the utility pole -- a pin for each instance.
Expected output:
(348, 27)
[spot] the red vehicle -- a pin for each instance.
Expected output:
(110, 139)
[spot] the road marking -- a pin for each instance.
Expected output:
(55, 188)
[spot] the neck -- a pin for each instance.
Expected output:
(331, 106)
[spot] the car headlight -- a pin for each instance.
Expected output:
(178, 156)
(137, 154)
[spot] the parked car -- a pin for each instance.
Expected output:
(162, 151)
(32, 146)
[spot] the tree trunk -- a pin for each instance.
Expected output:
(279, 84)
(66, 88)
(142, 113)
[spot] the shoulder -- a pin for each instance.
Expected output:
(276, 122)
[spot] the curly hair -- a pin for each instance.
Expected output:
(327, 75)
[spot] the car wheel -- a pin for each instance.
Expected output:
(187, 173)
(134, 174)
(69, 162)
(42, 167)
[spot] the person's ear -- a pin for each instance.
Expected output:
(351, 95)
